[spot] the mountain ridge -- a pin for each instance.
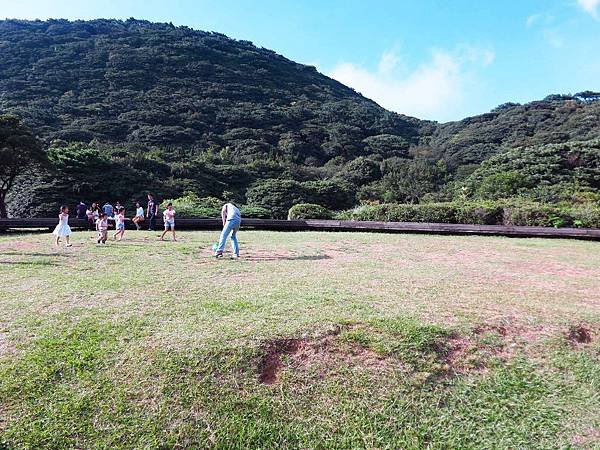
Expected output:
(184, 110)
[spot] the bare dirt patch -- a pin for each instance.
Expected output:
(270, 364)
(580, 334)
(324, 352)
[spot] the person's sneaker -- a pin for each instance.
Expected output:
(218, 254)
(234, 256)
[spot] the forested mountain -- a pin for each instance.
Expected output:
(556, 119)
(158, 85)
(124, 107)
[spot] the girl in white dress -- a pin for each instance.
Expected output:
(63, 229)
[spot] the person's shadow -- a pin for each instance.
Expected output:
(285, 257)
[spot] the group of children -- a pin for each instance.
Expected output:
(230, 215)
(63, 230)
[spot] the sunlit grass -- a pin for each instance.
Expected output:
(400, 341)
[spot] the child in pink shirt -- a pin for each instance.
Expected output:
(169, 219)
(102, 228)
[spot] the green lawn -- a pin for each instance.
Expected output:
(328, 340)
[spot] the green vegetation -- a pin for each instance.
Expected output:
(20, 152)
(309, 211)
(506, 212)
(319, 340)
(127, 107)
(191, 205)
(549, 173)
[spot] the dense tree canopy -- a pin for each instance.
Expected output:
(20, 151)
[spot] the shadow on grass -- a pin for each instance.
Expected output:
(285, 258)
(46, 255)
(29, 263)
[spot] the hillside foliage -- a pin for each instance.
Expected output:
(129, 107)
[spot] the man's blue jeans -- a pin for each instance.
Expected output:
(231, 227)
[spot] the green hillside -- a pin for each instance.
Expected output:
(127, 107)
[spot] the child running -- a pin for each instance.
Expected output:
(232, 219)
(102, 228)
(119, 224)
(169, 219)
(63, 229)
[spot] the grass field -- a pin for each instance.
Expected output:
(327, 340)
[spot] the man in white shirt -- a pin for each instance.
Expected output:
(232, 219)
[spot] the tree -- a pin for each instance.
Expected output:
(408, 180)
(278, 196)
(20, 152)
(360, 171)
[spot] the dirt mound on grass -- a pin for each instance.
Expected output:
(270, 364)
(580, 334)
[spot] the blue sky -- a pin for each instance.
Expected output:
(434, 59)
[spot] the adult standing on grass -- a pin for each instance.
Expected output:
(151, 212)
(89, 215)
(232, 219)
(108, 209)
(81, 210)
(96, 210)
(139, 216)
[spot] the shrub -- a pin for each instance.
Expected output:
(585, 216)
(278, 196)
(309, 211)
(390, 212)
(192, 206)
(536, 214)
(480, 213)
(520, 213)
(255, 212)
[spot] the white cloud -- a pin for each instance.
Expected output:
(532, 20)
(589, 6)
(434, 90)
(388, 62)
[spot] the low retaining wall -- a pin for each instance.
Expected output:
(336, 225)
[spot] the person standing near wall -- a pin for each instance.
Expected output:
(139, 215)
(151, 212)
(81, 210)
